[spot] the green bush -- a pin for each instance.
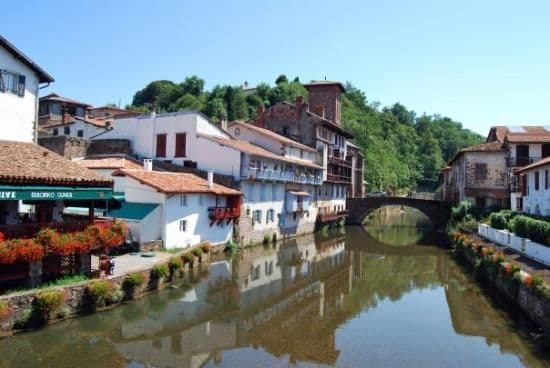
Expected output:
(134, 280)
(188, 258)
(527, 227)
(459, 212)
(103, 292)
(267, 239)
(175, 263)
(47, 303)
(498, 220)
(159, 271)
(197, 252)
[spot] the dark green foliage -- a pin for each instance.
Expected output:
(175, 263)
(534, 229)
(498, 220)
(197, 252)
(134, 280)
(47, 303)
(459, 212)
(159, 271)
(402, 150)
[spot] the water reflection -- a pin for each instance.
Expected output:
(342, 300)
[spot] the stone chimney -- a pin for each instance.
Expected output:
(210, 179)
(327, 94)
(147, 164)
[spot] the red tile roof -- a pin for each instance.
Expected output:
(175, 182)
(530, 134)
(534, 165)
(272, 134)
(29, 163)
(494, 146)
(110, 162)
(252, 149)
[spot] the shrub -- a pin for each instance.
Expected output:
(159, 271)
(4, 309)
(134, 280)
(206, 247)
(188, 258)
(103, 292)
(24, 319)
(175, 263)
(459, 212)
(47, 237)
(266, 238)
(527, 227)
(498, 220)
(197, 252)
(49, 302)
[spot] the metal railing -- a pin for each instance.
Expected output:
(284, 176)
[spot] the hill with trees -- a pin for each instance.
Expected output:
(403, 150)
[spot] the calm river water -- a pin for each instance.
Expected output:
(379, 296)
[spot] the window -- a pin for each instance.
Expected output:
(183, 226)
(481, 171)
(55, 131)
(181, 143)
(67, 131)
(80, 133)
(537, 178)
(183, 200)
(270, 216)
(12, 83)
(255, 273)
(262, 192)
(161, 145)
(268, 268)
(273, 192)
(257, 216)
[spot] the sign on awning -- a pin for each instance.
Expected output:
(53, 193)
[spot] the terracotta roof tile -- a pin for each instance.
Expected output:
(530, 134)
(175, 182)
(29, 163)
(252, 149)
(273, 135)
(110, 162)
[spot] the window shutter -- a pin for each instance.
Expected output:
(21, 86)
(161, 145)
(181, 142)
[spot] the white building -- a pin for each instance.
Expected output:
(536, 187)
(20, 80)
(191, 210)
(87, 128)
(277, 176)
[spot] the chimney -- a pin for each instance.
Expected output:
(223, 125)
(210, 179)
(319, 110)
(147, 164)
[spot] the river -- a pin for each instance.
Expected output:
(380, 296)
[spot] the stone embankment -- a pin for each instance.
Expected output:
(35, 308)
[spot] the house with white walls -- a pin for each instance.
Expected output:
(536, 187)
(20, 81)
(191, 209)
(76, 126)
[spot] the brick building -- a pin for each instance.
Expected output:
(318, 123)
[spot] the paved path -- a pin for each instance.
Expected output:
(133, 262)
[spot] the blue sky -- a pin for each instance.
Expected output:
(479, 62)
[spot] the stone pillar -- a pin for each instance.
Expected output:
(86, 264)
(35, 273)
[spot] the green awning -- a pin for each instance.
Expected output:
(53, 193)
(133, 211)
(119, 196)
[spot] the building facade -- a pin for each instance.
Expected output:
(535, 179)
(20, 80)
(317, 123)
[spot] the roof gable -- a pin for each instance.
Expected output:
(43, 76)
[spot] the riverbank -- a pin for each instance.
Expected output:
(508, 276)
(35, 308)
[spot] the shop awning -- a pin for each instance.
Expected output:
(298, 193)
(53, 193)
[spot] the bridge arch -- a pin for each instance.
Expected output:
(439, 212)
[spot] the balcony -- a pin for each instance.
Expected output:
(338, 178)
(522, 161)
(22, 231)
(283, 176)
(331, 216)
(339, 161)
(224, 213)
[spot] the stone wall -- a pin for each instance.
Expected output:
(109, 146)
(18, 307)
(69, 147)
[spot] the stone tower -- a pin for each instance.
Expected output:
(325, 99)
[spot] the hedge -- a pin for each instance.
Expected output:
(537, 230)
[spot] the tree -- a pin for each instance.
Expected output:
(281, 79)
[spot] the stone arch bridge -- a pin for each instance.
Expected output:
(439, 212)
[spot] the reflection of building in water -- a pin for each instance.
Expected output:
(262, 296)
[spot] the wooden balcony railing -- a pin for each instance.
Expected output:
(331, 216)
(223, 213)
(338, 178)
(29, 230)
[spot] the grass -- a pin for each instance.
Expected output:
(62, 281)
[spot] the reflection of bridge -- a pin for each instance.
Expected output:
(438, 212)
